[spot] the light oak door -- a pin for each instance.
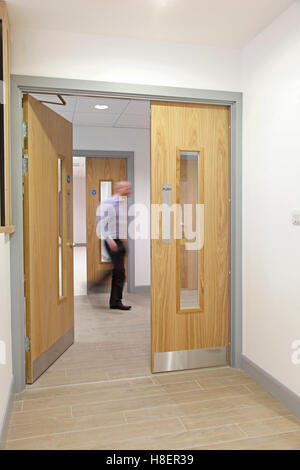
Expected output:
(190, 252)
(101, 176)
(48, 236)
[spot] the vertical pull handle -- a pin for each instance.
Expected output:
(166, 214)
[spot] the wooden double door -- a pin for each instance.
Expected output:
(189, 264)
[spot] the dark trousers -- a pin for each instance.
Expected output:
(118, 272)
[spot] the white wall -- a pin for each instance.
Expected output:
(79, 204)
(137, 141)
(5, 325)
(271, 83)
(94, 57)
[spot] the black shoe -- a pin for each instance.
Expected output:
(120, 306)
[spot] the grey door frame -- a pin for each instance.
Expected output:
(29, 84)
(132, 288)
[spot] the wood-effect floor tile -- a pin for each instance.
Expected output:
(100, 394)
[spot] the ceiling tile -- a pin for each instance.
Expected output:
(134, 120)
(95, 119)
(138, 107)
(121, 113)
(87, 105)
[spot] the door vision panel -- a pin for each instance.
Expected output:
(101, 176)
(190, 273)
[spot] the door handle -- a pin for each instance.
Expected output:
(166, 213)
(71, 244)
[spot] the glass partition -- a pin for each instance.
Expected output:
(61, 230)
(191, 195)
(105, 193)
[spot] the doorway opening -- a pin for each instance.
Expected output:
(110, 144)
(232, 100)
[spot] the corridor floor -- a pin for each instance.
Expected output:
(101, 395)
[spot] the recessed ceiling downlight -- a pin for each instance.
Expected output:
(101, 106)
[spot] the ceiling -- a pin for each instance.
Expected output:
(120, 113)
(221, 23)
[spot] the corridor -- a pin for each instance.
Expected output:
(101, 395)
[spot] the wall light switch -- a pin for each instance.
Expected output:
(296, 217)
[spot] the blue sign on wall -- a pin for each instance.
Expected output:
(68, 179)
(94, 192)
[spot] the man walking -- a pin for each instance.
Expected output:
(112, 227)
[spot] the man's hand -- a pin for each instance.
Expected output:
(112, 245)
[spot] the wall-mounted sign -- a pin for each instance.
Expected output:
(68, 179)
(94, 192)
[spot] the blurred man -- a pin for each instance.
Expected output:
(112, 227)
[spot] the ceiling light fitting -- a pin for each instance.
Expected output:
(101, 106)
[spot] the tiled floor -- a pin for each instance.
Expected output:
(101, 395)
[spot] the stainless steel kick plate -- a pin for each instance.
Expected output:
(190, 359)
